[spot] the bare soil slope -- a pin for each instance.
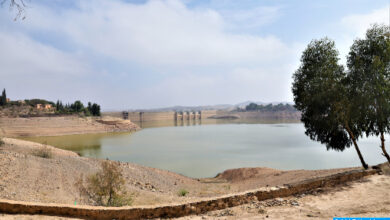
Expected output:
(369, 197)
(26, 176)
(61, 125)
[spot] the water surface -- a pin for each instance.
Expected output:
(207, 149)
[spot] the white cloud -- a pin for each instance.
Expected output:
(252, 18)
(30, 69)
(202, 61)
(355, 26)
(22, 56)
(359, 23)
(160, 33)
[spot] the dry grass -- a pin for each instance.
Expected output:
(44, 152)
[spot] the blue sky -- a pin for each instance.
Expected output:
(143, 54)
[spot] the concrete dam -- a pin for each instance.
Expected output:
(168, 116)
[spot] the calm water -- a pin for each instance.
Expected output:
(205, 150)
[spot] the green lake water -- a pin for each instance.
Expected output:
(204, 149)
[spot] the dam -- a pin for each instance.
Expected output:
(168, 116)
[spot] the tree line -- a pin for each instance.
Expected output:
(78, 107)
(60, 108)
(341, 104)
(270, 107)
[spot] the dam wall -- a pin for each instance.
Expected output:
(207, 114)
(165, 116)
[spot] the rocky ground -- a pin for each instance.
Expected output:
(369, 197)
(62, 125)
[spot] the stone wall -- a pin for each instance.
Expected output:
(178, 210)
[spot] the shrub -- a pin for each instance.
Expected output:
(182, 192)
(1, 142)
(105, 188)
(44, 152)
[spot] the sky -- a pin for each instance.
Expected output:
(132, 54)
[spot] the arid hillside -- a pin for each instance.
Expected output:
(62, 125)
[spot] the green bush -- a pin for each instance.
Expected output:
(105, 188)
(1, 142)
(182, 192)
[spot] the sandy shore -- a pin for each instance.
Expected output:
(62, 125)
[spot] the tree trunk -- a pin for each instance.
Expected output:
(356, 147)
(383, 148)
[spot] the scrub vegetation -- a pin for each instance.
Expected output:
(106, 187)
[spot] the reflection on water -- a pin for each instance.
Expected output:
(204, 151)
(185, 122)
(84, 144)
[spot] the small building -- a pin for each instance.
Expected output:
(43, 106)
(38, 106)
(7, 100)
(22, 102)
(48, 106)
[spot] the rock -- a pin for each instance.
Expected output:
(294, 203)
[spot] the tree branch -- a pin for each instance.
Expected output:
(20, 6)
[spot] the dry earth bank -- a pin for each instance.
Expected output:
(368, 197)
(28, 177)
(62, 125)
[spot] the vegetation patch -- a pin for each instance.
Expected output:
(182, 192)
(106, 187)
(269, 108)
(44, 152)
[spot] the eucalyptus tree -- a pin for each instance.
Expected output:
(321, 94)
(369, 73)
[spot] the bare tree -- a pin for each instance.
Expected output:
(19, 5)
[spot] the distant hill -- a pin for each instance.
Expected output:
(227, 107)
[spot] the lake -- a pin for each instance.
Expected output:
(205, 149)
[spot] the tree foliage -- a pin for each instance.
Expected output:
(19, 5)
(321, 93)
(270, 107)
(369, 76)
(94, 109)
(78, 107)
(3, 98)
(34, 102)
